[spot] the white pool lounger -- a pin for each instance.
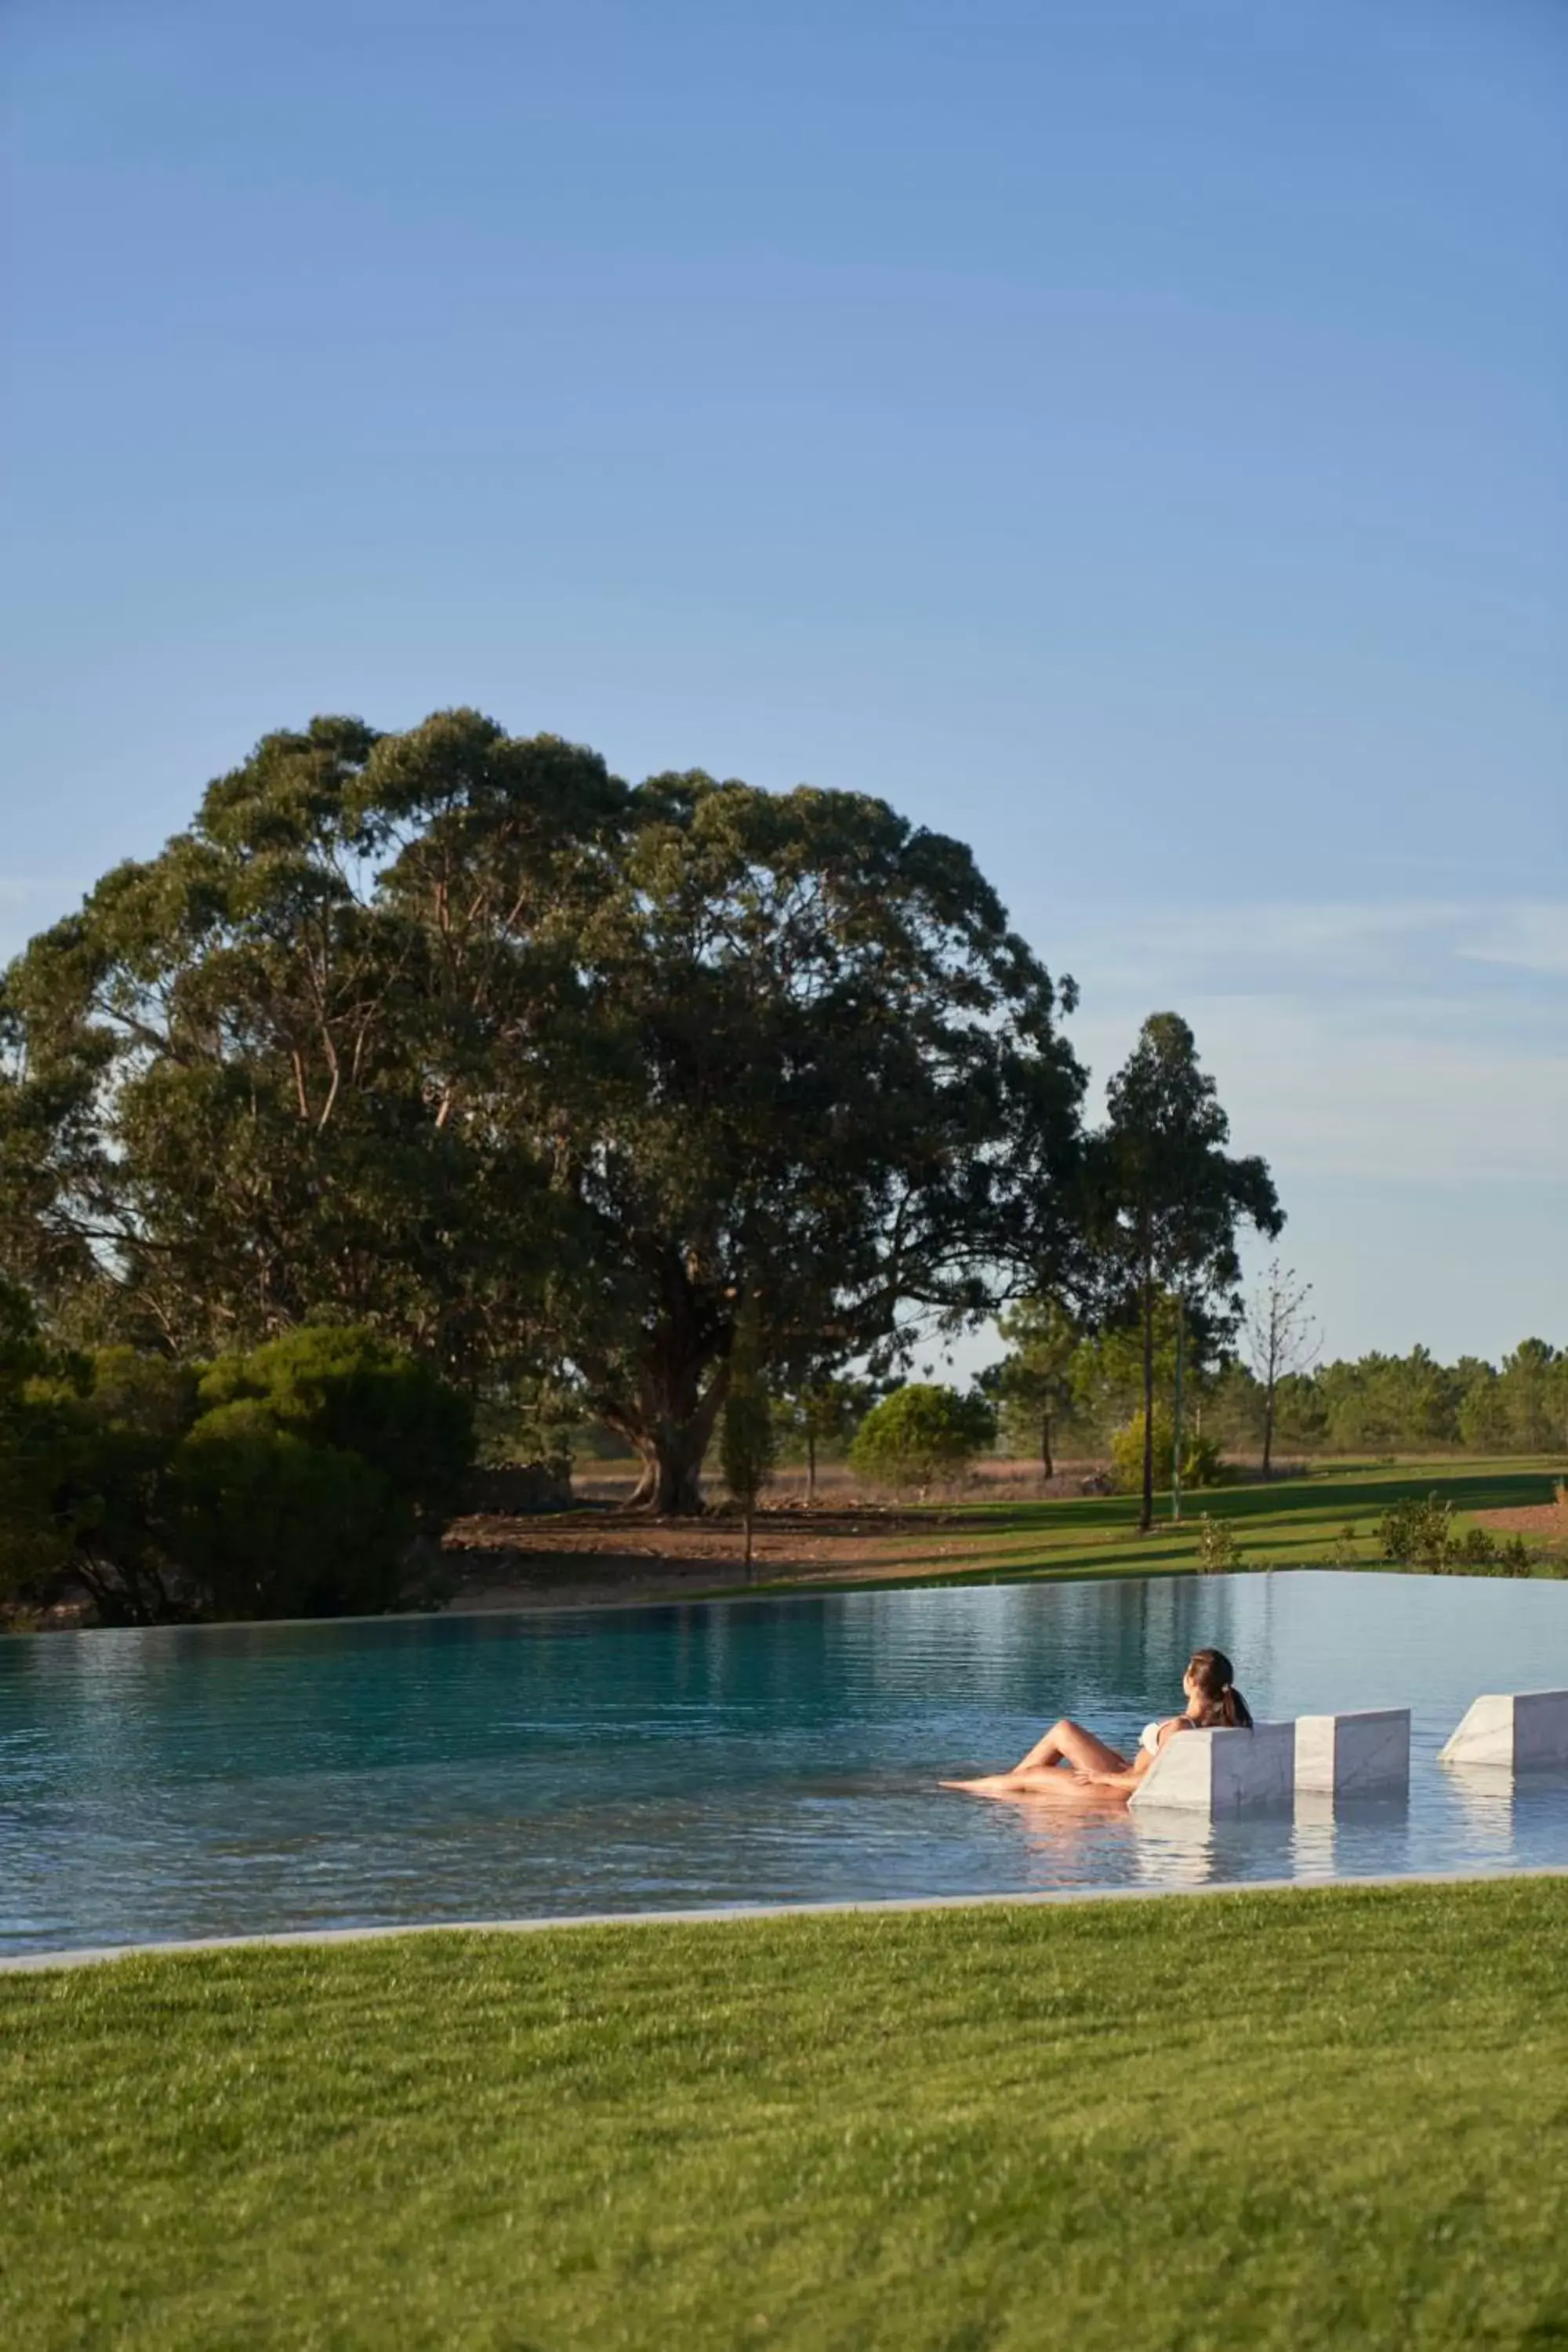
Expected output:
(1364, 1755)
(1222, 1771)
(1521, 1730)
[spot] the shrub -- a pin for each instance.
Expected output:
(1416, 1534)
(269, 1525)
(1218, 1549)
(1422, 1535)
(921, 1434)
(345, 1387)
(307, 1479)
(1202, 1464)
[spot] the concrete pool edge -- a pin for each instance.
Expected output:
(290, 1939)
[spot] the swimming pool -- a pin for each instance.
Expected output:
(236, 1780)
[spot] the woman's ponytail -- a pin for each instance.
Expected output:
(1212, 1672)
(1235, 1709)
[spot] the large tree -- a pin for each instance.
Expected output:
(832, 1087)
(1167, 1200)
(453, 1034)
(253, 1081)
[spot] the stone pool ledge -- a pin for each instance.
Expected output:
(287, 1938)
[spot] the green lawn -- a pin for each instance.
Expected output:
(1291, 1523)
(1334, 2118)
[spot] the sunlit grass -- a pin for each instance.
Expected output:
(1301, 2120)
(1327, 1516)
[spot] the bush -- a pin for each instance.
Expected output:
(1218, 1550)
(309, 1477)
(1422, 1535)
(922, 1433)
(1416, 1534)
(1203, 1464)
(345, 1387)
(1200, 1462)
(269, 1525)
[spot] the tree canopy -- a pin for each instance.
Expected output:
(457, 1037)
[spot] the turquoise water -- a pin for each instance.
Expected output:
(241, 1778)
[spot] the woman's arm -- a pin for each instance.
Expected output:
(1145, 1757)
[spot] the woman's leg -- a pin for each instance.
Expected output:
(1064, 1743)
(1068, 1743)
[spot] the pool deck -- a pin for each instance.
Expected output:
(92, 1956)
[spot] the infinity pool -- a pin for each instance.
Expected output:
(241, 1778)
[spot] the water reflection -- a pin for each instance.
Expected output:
(1172, 1848)
(1316, 1841)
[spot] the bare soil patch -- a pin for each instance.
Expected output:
(589, 1555)
(1546, 1523)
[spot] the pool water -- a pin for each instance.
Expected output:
(234, 1779)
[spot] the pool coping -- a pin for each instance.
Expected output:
(289, 1938)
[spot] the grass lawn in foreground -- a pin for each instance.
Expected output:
(1328, 2118)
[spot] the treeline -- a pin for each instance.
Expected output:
(550, 1084)
(1062, 1389)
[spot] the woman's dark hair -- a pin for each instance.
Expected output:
(1211, 1671)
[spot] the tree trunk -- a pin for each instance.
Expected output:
(811, 1465)
(1047, 1467)
(749, 1510)
(1146, 1515)
(1176, 1419)
(672, 1445)
(671, 1484)
(1268, 1430)
(662, 1405)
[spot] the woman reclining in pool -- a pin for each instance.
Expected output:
(1212, 1702)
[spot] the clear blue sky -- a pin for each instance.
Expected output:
(1129, 434)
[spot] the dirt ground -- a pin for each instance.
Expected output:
(598, 1552)
(1542, 1523)
(600, 1555)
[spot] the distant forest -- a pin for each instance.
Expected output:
(1378, 1402)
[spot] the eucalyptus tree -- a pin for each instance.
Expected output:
(231, 1095)
(832, 1085)
(1167, 1200)
(454, 1034)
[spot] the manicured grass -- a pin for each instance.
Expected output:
(1290, 1523)
(1334, 2118)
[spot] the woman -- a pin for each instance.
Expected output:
(1212, 1702)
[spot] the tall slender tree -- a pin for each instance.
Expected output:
(1165, 1200)
(747, 1443)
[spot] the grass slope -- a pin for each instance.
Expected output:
(1296, 2120)
(1290, 1523)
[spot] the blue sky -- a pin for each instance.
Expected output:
(1129, 434)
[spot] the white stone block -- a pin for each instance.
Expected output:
(1365, 1755)
(1222, 1771)
(1521, 1730)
